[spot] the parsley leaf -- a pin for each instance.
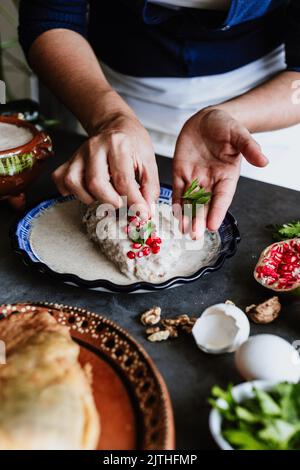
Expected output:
(196, 195)
(286, 231)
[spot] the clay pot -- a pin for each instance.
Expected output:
(21, 165)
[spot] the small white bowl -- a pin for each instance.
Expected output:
(240, 393)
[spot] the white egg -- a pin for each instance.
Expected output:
(221, 328)
(268, 357)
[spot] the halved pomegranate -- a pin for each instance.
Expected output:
(278, 267)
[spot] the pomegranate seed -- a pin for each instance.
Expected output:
(284, 268)
(155, 248)
(146, 251)
(150, 241)
(136, 246)
(131, 255)
(131, 218)
(268, 271)
(158, 240)
(140, 254)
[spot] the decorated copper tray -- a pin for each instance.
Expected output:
(130, 394)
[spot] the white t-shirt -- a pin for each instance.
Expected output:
(204, 4)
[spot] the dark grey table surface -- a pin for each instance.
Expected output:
(188, 372)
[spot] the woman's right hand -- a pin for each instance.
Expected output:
(118, 160)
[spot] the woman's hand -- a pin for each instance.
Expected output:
(209, 148)
(118, 160)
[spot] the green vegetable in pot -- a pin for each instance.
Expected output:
(270, 420)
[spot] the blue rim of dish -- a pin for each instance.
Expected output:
(20, 236)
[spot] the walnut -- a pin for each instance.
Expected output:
(151, 316)
(160, 329)
(173, 331)
(152, 329)
(265, 312)
(179, 321)
(161, 335)
(187, 329)
(169, 322)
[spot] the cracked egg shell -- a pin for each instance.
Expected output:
(221, 328)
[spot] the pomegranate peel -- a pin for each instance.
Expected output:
(278, 267)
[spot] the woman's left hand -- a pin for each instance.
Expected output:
(209, 148)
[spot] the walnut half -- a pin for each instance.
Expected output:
(265, 312)
(151, 316)
(161, 335)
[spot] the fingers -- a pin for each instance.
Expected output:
(253, 154)
(74, 180)
(104, 169)
(222, 196)
(97, 179)
(58, 177)
(199, 222)
(69, 179)
(248, 147)
(121, 164)
(179, 186)
(150, 187)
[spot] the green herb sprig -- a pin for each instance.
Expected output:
(285, 231)
(142, 234)
(196, 195)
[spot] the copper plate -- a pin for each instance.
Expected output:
(130, 394)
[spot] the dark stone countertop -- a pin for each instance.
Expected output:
(188, 372)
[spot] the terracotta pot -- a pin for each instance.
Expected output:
(21, 165)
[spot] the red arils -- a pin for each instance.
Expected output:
(279, 266)
(146, 250)
(136, 228)
(155, 248)
(149, 241)
(136, 246)
(153, 240)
